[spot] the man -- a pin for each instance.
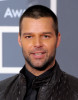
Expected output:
(41, 77)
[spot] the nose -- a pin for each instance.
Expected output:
(37, 42)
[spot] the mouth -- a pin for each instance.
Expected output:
(38, 55)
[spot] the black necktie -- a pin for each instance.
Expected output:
(33, 95)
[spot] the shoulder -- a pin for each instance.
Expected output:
(72, 81)
(6, 82)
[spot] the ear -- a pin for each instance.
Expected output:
(58, 40)
(19, 40)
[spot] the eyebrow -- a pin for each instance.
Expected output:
(47, 32)
(32, 33)
(27, 33)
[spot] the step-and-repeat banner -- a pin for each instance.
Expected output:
(11, 58)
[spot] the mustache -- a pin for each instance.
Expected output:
(37, 50)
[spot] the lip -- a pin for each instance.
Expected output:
(38, 55)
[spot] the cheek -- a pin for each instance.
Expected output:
(50, 46)
(26, 44)
(26, 47)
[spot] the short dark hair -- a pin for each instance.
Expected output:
(38, 11)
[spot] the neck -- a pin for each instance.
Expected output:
(37, 72)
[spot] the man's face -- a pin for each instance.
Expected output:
(38, 41)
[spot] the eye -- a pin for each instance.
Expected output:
(28, 37)
(46, 36)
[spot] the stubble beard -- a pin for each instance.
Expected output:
(47, 62)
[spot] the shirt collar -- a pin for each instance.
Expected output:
(32, 79)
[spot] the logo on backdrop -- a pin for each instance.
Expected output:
(10, 13)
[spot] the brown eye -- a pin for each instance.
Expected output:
(28, 37)
(46, 36)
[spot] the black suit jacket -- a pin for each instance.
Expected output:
(56, 86)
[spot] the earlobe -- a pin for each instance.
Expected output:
(19, 40)
(58, 39)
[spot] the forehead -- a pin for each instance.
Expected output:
(43, 22)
